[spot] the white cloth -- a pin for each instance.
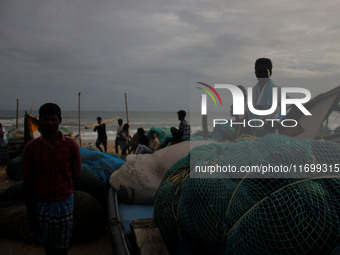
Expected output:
(141, 149)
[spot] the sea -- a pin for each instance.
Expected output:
(70, 119)
(145, 120)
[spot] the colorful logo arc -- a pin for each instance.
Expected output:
(209, 93)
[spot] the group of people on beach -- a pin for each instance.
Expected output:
(52, 162)
(177, 135)
(121, 136)
(142, 145)
(261, 98)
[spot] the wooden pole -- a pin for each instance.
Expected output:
(127, 111)
(17, 123)
(79, 120)
(127, 121)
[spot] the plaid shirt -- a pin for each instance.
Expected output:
(51, 169)
(184, 127)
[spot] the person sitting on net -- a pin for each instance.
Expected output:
(153, 146)
(184, 126)
(176, 137)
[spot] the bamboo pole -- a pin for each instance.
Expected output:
(79, 119)
(103, 122)
(127, 119)
(17, 123)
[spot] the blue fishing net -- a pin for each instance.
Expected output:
(101, 164)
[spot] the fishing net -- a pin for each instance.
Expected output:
(67, 131)
(14, 135)
(223, 132)
(100, 164)
(251, 215)
(162, 133)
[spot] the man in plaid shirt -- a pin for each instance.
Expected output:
(184, 126)
(50, 164)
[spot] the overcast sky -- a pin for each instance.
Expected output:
(156, 50)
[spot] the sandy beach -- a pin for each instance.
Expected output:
(110, 147)
(100, 245)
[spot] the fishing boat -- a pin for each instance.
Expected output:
(316, 125)
(132, 229)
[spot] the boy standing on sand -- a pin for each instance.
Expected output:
(50, 165)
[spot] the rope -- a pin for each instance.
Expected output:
(116, 222)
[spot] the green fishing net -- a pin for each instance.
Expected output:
(252, 215)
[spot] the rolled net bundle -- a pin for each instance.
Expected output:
(300, 218)
(166, 203)
(253, 215)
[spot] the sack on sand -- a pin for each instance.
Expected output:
(138, 179)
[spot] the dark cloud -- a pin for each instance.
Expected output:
(155, 50)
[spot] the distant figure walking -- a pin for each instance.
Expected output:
(50, 165)
(119, 129)
(102, 136)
